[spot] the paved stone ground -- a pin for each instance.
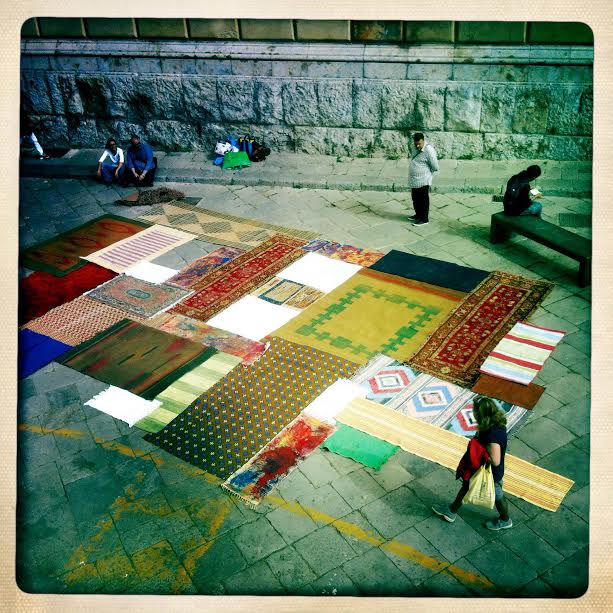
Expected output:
(101, 510)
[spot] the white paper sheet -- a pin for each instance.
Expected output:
(319, 271)
(124, 405)
(334, 399)
(146, 271)
(253, 318)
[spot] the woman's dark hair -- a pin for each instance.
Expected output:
(108, 143)
(487, 414)
(533, 171)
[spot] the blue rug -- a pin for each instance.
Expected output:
(37, 350)
(429, 270)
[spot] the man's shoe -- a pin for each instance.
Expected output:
(44, 156)
(413, 217)
(420, 222)
(443, 511)
(499, 524)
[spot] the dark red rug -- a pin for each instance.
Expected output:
(41, 291)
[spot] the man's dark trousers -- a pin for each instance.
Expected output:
(421, 202)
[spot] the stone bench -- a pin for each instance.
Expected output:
(548, 234)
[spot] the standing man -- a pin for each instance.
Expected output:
(140, 162)
(423, 163)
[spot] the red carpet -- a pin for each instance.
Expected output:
(41, 291)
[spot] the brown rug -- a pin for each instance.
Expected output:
(525, 396)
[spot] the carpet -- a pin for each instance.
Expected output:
(383, 378)
(235, 279)
(36, 350)
(523, 395)
(41, 291)
(153, 273)
(253, 318)
(138, 297)
(151, 196)
(429, 270)
(137, 358)
(359, 446)
(521, 353)
(371, 313)
(147, 245)
(180, 394)
(332, 400)
(248, 351)
(234, 419)
(62, 254)
(194, 272)
(522, 479)
(277, 459)
(76, 321)
(289, 293)
(346, 253)
(123, 405)
(319, 271)
(458, 347)
(219, 228)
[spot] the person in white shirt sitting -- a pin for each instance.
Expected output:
(111, 165)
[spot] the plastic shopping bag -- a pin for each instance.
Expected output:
(481, 488)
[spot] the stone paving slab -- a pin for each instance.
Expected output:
(102, 510)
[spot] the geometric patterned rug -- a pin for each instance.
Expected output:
(195, 271)
(373, 312)
(345, 253)
(138, 297)
(459, 346)
(218, 228)
(234, 419)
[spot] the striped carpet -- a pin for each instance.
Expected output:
(522, 479)
(178, 396)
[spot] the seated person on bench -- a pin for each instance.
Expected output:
(140, 162)
(519, 198)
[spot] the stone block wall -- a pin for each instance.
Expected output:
(351, 99)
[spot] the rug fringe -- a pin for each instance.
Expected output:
(246, 500)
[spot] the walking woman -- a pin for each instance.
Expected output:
(492, 434)
(110, 164)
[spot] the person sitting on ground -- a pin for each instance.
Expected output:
(492, 434)
(518, 197)
(26, 132)
(141, 163)
(111, 165)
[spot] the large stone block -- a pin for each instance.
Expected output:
(335, 102)
(169, 103)
(497, 104)
(586, 111)
(398, 105)
(236, 99)
(269, 101)
(267, 29)
(531, 109)
(213, 28)
(466, 146)
(367, 98)
(162, 28)
(514, 146)
(173, 135)
(300, 103)
(564, 111)
(113, 27)
(491, 31)
(428, 31)
(84, 133)
(463, 107)
(568, 148)
(29, 28)
(51, 130)
(429, 107)
(391, 143)
(200, 98)
(323, 29)
(65, 97)
(551, 33)
(429, 72)
(376, 31)
(95, 93)
(335, 141)
(122, 130)
(61, 27)
(385, 70)
(35, 94)
(442, 143)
